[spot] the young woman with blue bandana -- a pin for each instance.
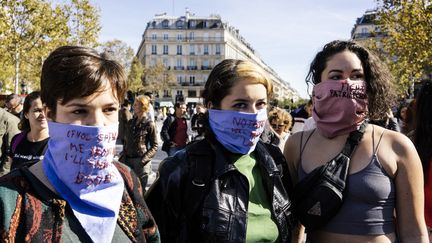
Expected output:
(229, 187)
(77, 193)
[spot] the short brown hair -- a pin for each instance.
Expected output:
(72, 72)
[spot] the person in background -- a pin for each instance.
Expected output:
(8, 129)
(388, 122)
(300, 115)
(228, 187)
(14, 105)
(151, 110)
(141, 140)
(422, 142)
(383, 201)
(409, 122)
(77, 193)
(174, 132)
(124, 116)
(281, 122)
(29, 146)
(196, 122)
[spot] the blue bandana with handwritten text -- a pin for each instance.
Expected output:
(78, 163)
(238, 132)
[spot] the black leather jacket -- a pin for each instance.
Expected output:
(211, 205)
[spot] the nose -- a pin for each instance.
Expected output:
(95, 118)
(42, 114)
(252, 109)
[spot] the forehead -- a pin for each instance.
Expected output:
(345, 60)
(247, 87)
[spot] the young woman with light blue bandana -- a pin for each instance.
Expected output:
(228, 187)
(77, 193)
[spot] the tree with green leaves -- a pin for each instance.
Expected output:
(83, 23)
(31, 29)
(408, 41)
(157, 78)
(120, 51)
(135, 74)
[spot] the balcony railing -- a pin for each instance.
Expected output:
(192, 68)
(179, 68)
(206, 68)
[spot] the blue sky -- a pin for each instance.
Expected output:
(286, 33)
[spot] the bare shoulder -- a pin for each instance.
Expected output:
(292, 151)
(292, 145)
(397, 147)
(400, 144)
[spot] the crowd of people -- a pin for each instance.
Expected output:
(235, 179)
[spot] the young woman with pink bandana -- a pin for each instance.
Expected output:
(383, 201)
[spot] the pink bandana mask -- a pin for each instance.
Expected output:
(340, 106)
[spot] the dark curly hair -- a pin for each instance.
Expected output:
(380, 92)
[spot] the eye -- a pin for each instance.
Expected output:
(110, 109)
(335, 77)
(240, 106)
(357, 76)
(79, 111)
(261, 105)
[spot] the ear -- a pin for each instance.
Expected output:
(26, 116)
(209, 105)
(49, 113)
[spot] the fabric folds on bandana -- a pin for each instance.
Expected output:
(339, 106)
(78, 163)
(238, 132)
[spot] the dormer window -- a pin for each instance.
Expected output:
(179, 24)
(165, 23)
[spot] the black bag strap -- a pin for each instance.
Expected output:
(354, 139)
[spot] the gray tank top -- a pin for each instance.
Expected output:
(369, 202)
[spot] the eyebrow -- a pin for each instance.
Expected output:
(85, 105)
(340, 71)
(246, 100)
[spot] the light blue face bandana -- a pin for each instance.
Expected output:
(238, 132)
(78, 163)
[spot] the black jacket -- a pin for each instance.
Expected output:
(168, 131)
(200, 196)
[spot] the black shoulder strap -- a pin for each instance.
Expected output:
(354, 139)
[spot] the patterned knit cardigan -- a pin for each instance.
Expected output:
(30, 212)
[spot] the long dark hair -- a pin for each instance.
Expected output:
(24, 124)
(423, 128)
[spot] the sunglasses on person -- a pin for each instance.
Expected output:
(276, 126)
